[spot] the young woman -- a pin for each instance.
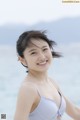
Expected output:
(40, 97)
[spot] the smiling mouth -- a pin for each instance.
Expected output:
(42, 63)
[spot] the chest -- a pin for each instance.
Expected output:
(49, 91)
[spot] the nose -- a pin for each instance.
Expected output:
(41, 56)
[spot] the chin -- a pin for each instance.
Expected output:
(45, 69)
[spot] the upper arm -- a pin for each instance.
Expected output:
(26, 98)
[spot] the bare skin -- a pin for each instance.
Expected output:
(38, 58)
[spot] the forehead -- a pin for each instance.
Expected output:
(37, 43)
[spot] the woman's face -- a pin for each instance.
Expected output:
(38, 55)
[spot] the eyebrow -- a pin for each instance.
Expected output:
(36, 49)
(32, 50)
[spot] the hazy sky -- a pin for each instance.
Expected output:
(33, 11)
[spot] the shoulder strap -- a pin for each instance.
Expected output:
(38, 91)
(36, 88)
(54, 84)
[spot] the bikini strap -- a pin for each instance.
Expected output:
(59, 93)
(55, 86)
(38, 93)
(36, 88)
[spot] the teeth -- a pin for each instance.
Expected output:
(42, 63)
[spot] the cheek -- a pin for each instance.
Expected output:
(31, 61)
(50, 54)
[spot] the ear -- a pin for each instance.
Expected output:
(22, 60)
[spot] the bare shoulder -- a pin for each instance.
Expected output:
(27, 90)
(26, 98)
(27, 95)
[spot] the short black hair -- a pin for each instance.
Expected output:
(25, 39)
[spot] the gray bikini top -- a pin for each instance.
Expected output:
(48, 110)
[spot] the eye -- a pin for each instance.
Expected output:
(33, 53)
(45, 49)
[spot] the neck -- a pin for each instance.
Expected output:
(38, 76)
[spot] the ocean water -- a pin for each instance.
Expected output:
(65, 71)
